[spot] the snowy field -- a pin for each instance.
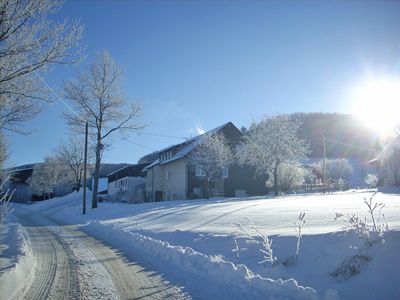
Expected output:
(201, 239)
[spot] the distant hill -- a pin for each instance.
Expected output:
(343, 128)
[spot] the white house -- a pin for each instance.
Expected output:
(173, 176)
(127, 184)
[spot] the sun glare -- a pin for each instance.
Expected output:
(377, 103)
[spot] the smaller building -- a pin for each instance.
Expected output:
(18, 184)
(127, 184)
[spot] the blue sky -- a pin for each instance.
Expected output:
(198, 64)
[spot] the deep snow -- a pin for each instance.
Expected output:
(197, 238)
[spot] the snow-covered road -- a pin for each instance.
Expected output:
(69, 264)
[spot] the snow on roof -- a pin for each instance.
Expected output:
(154, 163)
(192, 143)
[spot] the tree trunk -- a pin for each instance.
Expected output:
(396, 178)
(96, 173)
(207, 188)
(78, 181)
(276, 181)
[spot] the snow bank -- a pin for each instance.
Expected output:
(237, 278)
(16, 259)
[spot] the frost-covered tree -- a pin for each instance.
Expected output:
(72, 155)
(372, 180)
(31, 41)
(392, 161)
(211, 155)
(270, 143)
(96, 95)
(290, 176)
(336, 169)
(50, 177)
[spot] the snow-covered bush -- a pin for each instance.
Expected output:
(5, 208)
(252, 233)
(351, 266)
(372, 180)
(336, 169)
(300, 222)
(370, 231)
(290, 176)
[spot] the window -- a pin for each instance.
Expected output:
(199, 171)
(168, 175)
(225, 172)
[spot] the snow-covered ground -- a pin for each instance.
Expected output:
(197, 238)
(16, 258)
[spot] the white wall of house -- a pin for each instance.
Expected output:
(170, 178)
(126, 189)
(175, 180)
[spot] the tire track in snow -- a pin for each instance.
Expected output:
(70, 264)
(54, 275)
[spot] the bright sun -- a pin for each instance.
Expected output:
(377, 103)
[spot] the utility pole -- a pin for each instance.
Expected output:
(84, 169)
(324, 166)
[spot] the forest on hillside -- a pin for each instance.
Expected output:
(342, 128)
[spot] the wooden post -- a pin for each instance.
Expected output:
(324, 167)
(84, 169)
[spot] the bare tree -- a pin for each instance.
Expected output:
(270, 143)
(72, 155)
(30, 43)
(290, 176)
(97, 98)
(211, 155)
(392, 161)
(49, 177)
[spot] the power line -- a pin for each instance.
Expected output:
(351, 146)
(140, 145)
(162, 135)
(58, 97)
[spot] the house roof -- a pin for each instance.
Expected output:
(183, 149)
(128, 171)
(107, 168)
(191, 144)
(21, 175)
(154, 163)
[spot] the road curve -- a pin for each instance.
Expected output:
(70, 264)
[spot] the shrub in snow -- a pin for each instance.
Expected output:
(290, 176)
(301, 221)
(252, 233)
(372, 180)
(237, 249)
(5, 208)
(371, 232)
(351, 266)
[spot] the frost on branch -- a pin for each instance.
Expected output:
(370, 231)
(5, 208)
(253, 234)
